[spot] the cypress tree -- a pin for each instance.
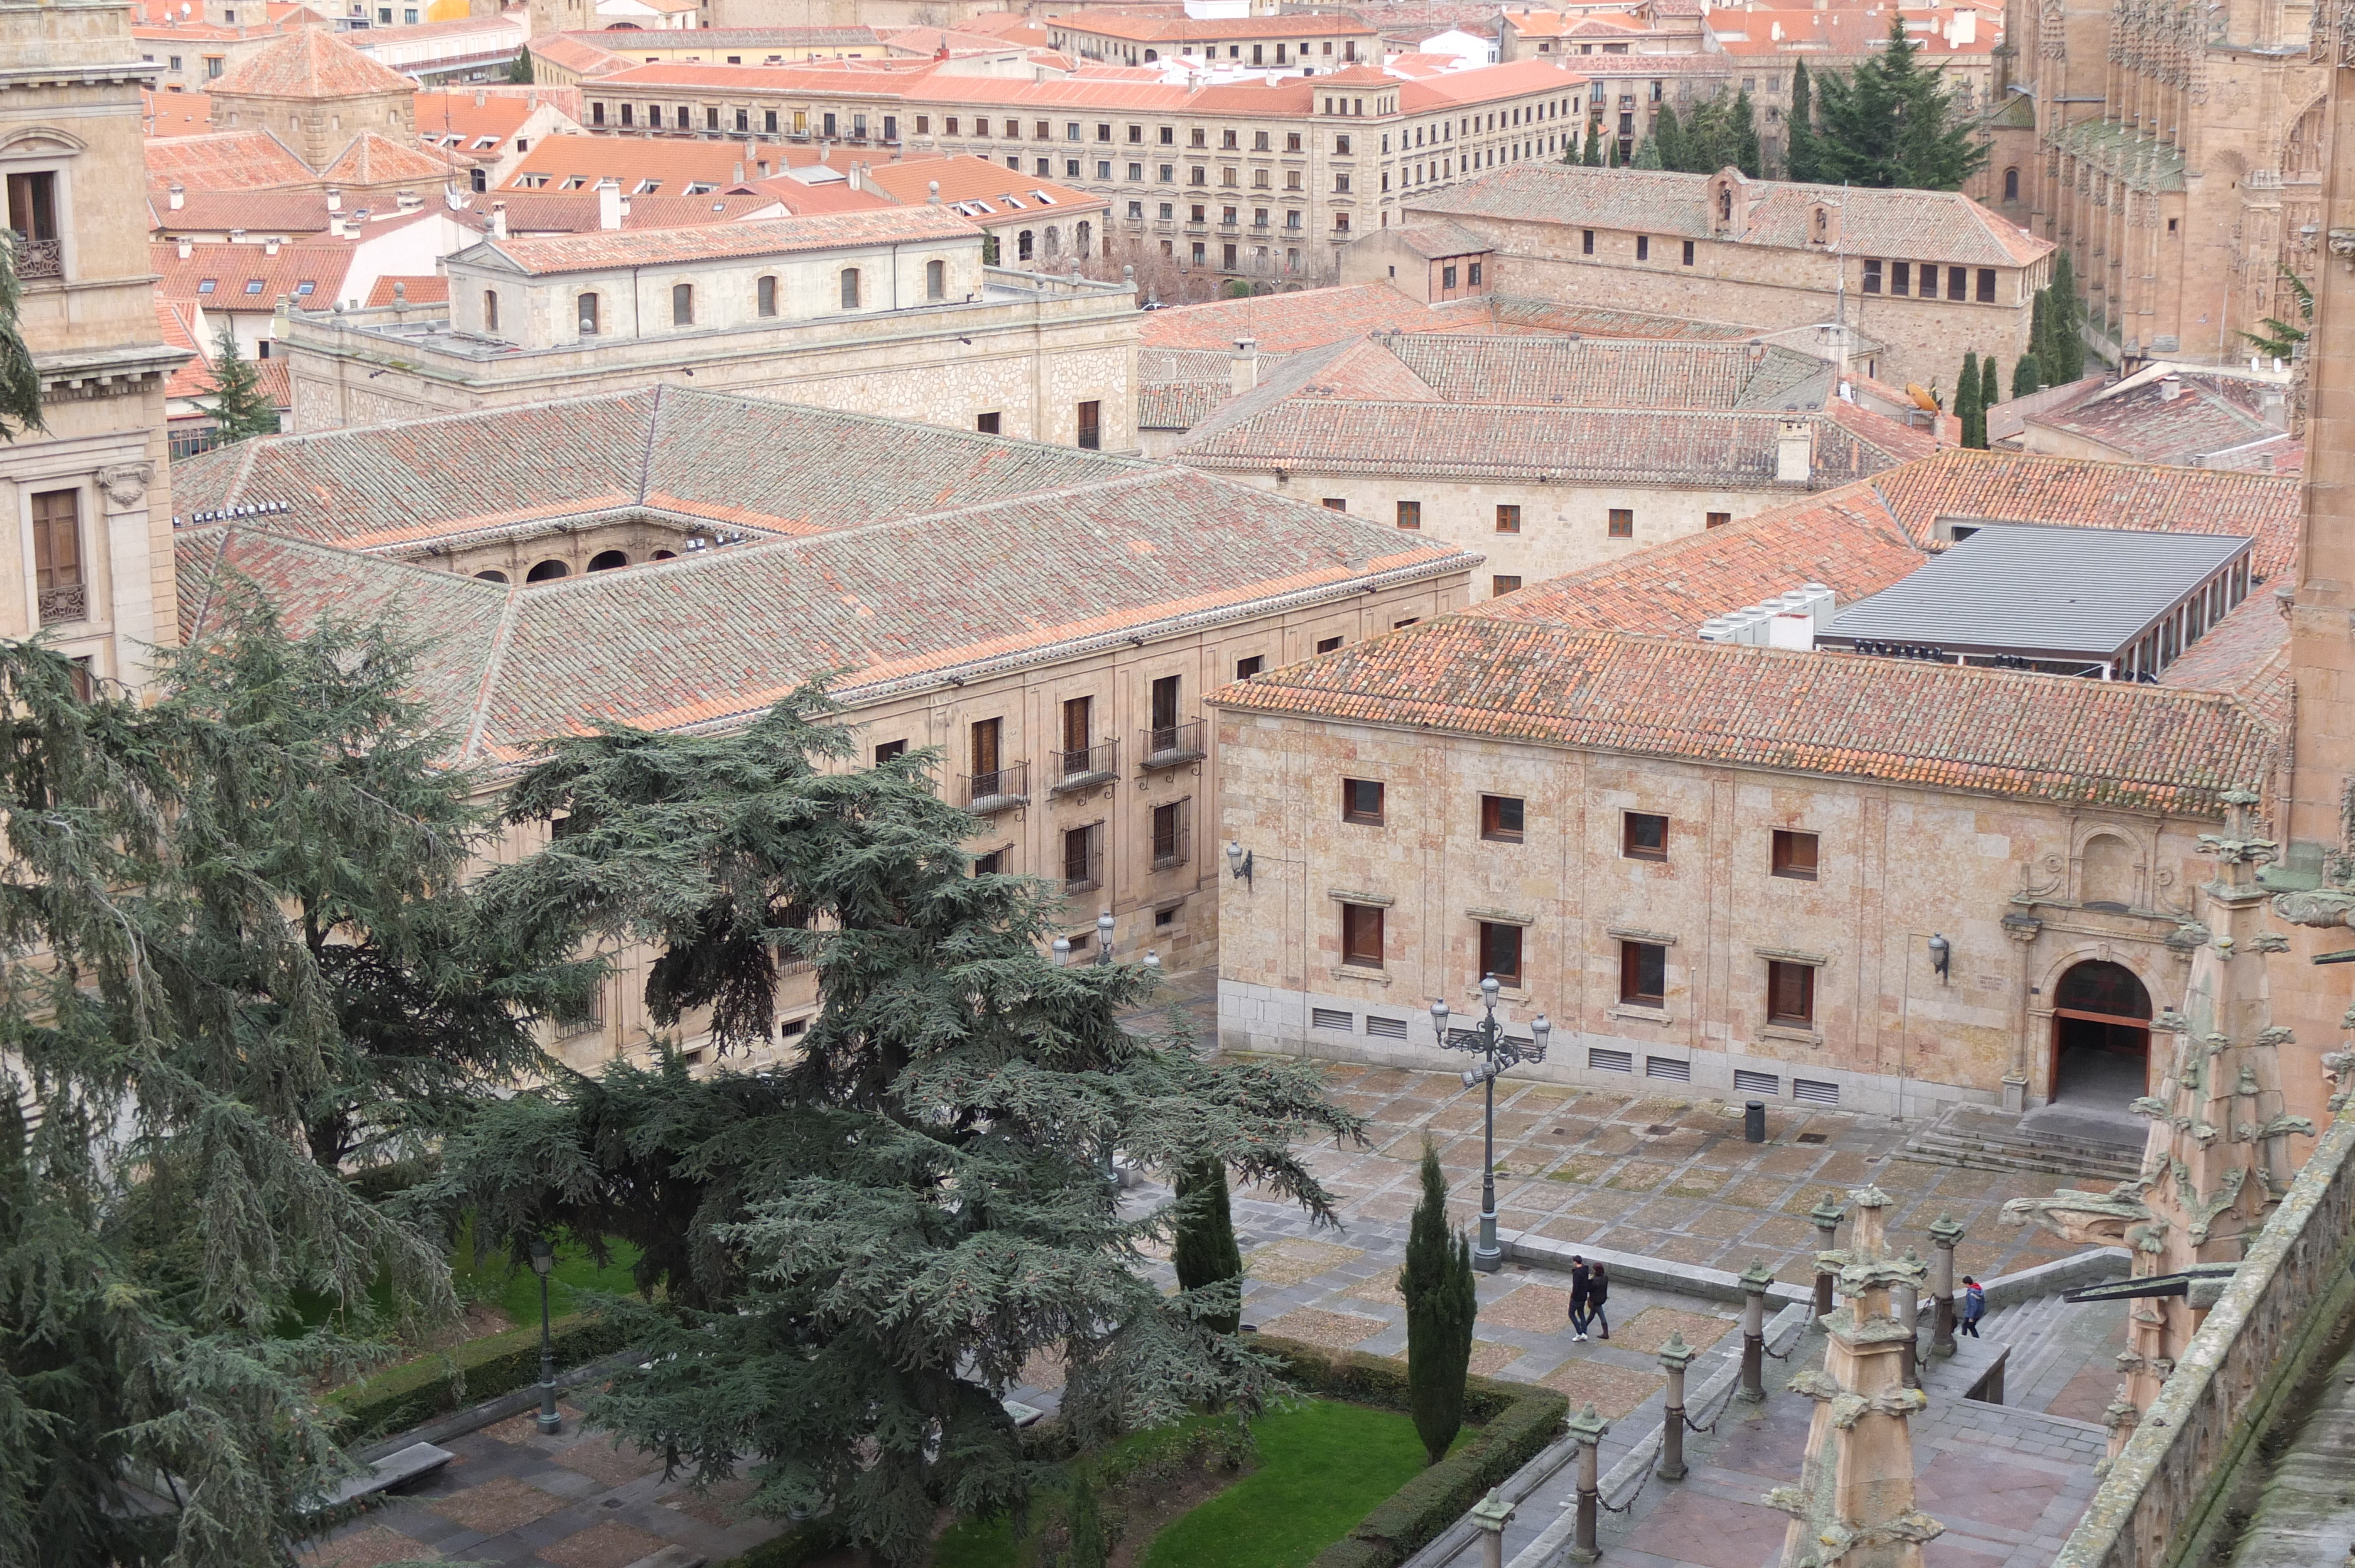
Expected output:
(1743, 134)
(1966, 400)
(2063, 351)
(1204, 1249)
(1799, 150)
(2027, 376)
(1666, 143)
(1991, 393)
(1440, 1311)
(1593, 157)
(2040, 331)
(1611, 153)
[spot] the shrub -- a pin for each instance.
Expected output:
(414, 1391)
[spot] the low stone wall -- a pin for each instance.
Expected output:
(2163, 1498)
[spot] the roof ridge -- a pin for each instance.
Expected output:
(479, 718)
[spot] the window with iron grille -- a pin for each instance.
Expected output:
(1170, 836)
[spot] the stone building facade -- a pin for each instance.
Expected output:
(1927, 275)
(2179, 154)
(89, 496)
(889, 311)
(1050, 619)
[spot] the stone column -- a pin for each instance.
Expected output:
(1675, 1356)
(1908, 1296)
(1489, 1516)
(1945, 1233)
(1826, 1216)
(2023, 928)
(1754, 1281)
(1587, 1429)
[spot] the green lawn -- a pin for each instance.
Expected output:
(1322, 1467)
(519, 1294)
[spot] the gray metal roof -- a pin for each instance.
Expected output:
(2016, 588)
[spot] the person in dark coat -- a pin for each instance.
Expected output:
(1580, 1289)
(1598, 1291)
(1974, 1306)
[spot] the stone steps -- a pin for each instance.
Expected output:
(1984, 1142)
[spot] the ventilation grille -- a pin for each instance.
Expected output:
(1385, 1028)
(1814, 1092)
(1332, 1018)
(1601, 1061)
(1667, 1067)
(1757, 1083)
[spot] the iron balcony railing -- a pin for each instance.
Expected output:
(1172, 745)
(1001, 790)
(1087, 765)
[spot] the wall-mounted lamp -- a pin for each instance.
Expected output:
(1942, 954)
(1239, 860)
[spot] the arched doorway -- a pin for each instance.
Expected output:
(2101, 1035)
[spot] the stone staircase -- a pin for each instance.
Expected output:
(2087, 1154)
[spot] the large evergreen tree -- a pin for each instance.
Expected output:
(2063, 350)
(2028, 376)
(240, 407)
(168, 1035)
(1966, 401)
(20, 379)
(1593, 158)
(1441, 1308)
(1890, 122)
(1991, 393)
(1204, 1250)
(867, 1246)
(1799, 142)
(1666, 145)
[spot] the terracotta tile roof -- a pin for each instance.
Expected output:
(431, 289)
(1898, 439)
(2246, 654)
(970, 549)
(2008, 419)
(1280, 322)
(591, 61)
(457, 113)
(2210, 421)
(1511, 315)
(1187, 29)
(723, 39)
(1940, 226)
(772, 237)
(1483, 83)
(1435, 240)
(310, 63)
(176, 113)
(374, 159)
(795, 199)
(672, 163)
(223, 161)
(1930, 726)
(576, 212)
(177, 322)
(1850, 32)
(257, 212)
(969, 178)
(247, 277)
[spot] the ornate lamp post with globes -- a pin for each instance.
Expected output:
(1498, 1052)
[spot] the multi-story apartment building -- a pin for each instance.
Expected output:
(89, 496)
(1246, 176)
(1308, 43)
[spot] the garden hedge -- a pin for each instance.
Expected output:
(416, 1390)
(1515, 1423)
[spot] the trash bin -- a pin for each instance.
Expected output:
(1754, 1122)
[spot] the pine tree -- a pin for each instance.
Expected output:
(520, 69)
(1204, 1250)
(1440, 1311)
(1966, 400)
(1799, 142)
(1991, 393)
(2280, 339)
(1890, 123)
(20, 379)
(866, 1247)
(2026, 376)
(178, 1037)
(1593, 158)
(1647, 155)
(240, 407)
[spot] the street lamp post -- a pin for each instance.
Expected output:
(1498, 1052)
(543, 1261)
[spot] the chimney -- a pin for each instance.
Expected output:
(335, 198)
(237, 237)
(408, 201)
(1794, 443)
(609, 204)
(1244, 367)
(179, 196)
(498, 220)
(2272, 406)
(737, 178)
(625, 199)
(481, 98)
(270, 247)
(2169, 389)
(335, 226)
(932, 189)
(186, 248)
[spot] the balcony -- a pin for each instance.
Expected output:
(1086, 768)
(988, 793)
(1171, 745)
(58, 604)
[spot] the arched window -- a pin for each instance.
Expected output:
(764, 294)
(606, 560)
(664, 555)
(490, 310)
(548, 572)
(1054, 241)
(1023, 243)
(588, 315)
(1084, 241)
(2011, 184)
(936, 280)
(682, 305)
(491, 576)
(850, 287)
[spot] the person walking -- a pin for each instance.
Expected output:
(1974, 1306)
(1598, 1291)
(1582, 1285)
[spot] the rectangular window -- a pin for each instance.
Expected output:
(988, 756)
(850, 287)
(1689, 252)
(1795, 854)
(1500, 952)
(1161, 705)
(990, 864)
(57, 556)
(1718, 520)
(1334, 1018)
(1586, 242)
(1815, 1091)
(1901, 277)
(1790, 994)
(1643, 248)
(1091, 426)
(1929, 280)
(1079, 722)
(1643, 835)
(33, 215)
(1987, 283)
(1508, 519)
(1170, 835)
(1500, 819)
(1410, 514)
(764, 296)
(985, 423)
(1361, 936)
(1958, 282)
(1328, 644)
(1498, 587)
(1448, 277)
(1676, 1069)
(1082, 865)
(1336, 503)
(682, 305)
(1644, 973)
(887, 750)
(1873, 277)
(1472, 275)
(1361, 801)
(1383, 1028)
(1623, 523)
(1246, 668)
